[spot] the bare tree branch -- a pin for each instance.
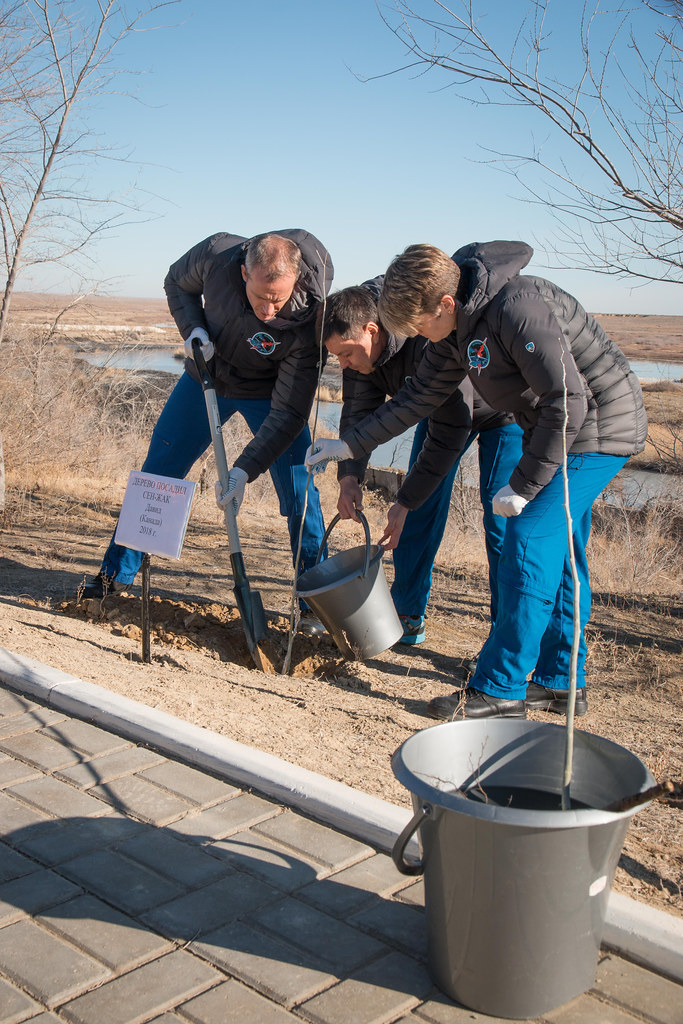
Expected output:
(56, 56)
(618, 107)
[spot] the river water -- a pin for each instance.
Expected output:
(634, 486)
(164, 359)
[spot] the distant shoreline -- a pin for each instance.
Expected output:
(647, 337)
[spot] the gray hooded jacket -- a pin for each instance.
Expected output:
(528, 347)
(276, 360)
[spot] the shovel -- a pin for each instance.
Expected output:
(249, 602)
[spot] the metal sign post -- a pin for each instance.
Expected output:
(153, 519)
(146, 655)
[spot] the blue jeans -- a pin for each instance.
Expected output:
(534, 626)
(182, 435)
(500, 449)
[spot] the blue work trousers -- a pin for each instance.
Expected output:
(534, 626)
(182, 435)
(500, 449)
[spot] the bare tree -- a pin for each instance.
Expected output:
(56, 57)
(610, 95)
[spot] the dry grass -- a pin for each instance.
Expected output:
(68, 424)
(76, 430)
(664, 446)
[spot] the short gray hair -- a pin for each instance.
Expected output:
(275, 255)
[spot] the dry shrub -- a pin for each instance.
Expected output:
(664, 448)
(330, 393)
(77, 430)
(646, 667)
(664, 406)
(663, 387)
(637, 550)
(63, 419)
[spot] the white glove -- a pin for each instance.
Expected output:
(508, 503)
(237, 481)
(203, 338)
(324, 451)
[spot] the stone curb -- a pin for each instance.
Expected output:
(646, 935)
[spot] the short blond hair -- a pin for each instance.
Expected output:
(414, 285)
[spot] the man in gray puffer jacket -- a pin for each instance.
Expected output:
(252, 304)
(529, 348)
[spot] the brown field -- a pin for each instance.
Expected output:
(649, 338)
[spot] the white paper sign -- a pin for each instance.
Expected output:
(154, 514)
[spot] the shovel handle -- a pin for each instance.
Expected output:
(200, 362)
(213, 413)
(397, 853)
(366, 528)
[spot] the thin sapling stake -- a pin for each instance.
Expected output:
(294, 613)
(571, 696)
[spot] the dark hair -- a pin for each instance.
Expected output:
(347, 312)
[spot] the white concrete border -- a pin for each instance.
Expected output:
(646, 935)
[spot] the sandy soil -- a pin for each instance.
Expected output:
(342, 719)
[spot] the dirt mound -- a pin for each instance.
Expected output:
(211, 628)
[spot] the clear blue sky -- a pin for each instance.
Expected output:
(253, 116)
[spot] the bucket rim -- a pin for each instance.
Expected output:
(375, 558)
(520, 817)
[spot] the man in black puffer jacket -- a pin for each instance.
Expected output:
(252, 304)
(531, 349)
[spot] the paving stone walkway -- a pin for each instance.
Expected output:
(136, 889)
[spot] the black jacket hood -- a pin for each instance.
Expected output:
(486, 267)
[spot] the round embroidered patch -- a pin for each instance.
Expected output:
(263, 343)
(478, 355)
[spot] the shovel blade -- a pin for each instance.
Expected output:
(253, 616)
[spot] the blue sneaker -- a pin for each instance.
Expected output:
(413, 629)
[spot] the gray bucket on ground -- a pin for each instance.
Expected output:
(350, 595)
(515, 898)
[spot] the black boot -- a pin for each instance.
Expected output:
(469, 703)
(546, 698)
(100, 586)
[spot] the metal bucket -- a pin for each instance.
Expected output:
(350, 595)
(515, 897)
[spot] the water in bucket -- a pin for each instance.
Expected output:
(522, 798)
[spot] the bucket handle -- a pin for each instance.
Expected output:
(404, 866)
(366, 528)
